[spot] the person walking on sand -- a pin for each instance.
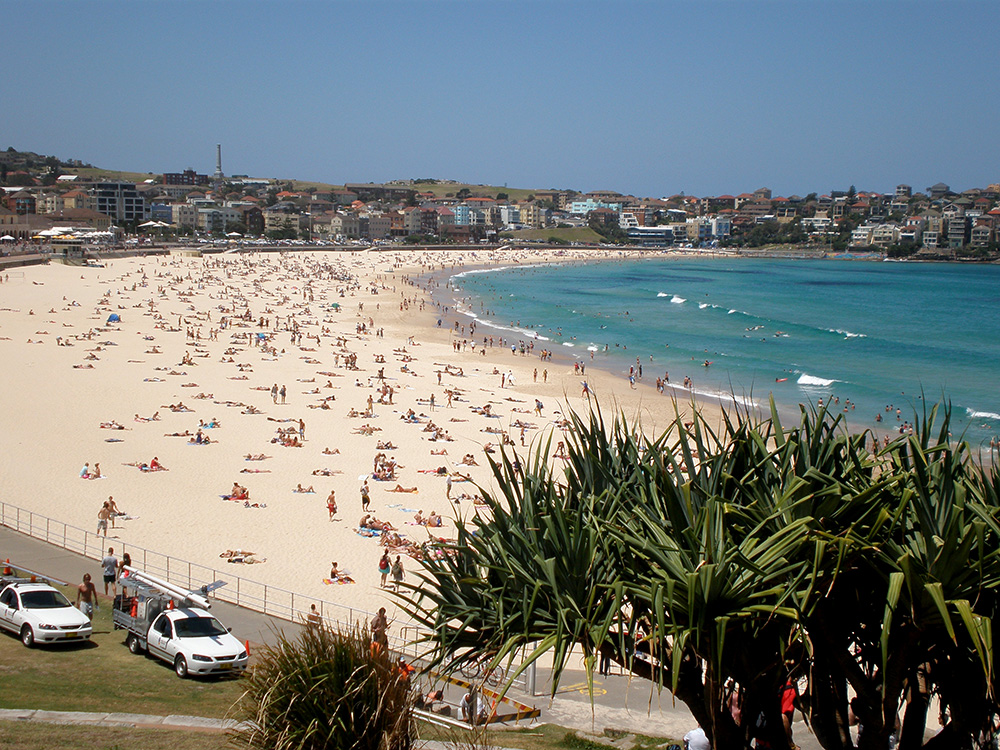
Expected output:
(282, 393)
(113, 511)
(397, 572)
(384, 568)
(102, 519)
(274, 393)
(365, 496)
(331, 504)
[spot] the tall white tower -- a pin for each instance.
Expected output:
(218, 162)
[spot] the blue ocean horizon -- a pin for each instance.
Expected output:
(884, 336)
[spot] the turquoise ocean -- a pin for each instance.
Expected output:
(880, 334)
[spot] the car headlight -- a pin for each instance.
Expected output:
(243, 655)
(47, 627)
(199, 657)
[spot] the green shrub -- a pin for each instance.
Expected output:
(325, 689)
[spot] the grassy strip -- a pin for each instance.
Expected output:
(20, 735)
(104, 676)
(568, 234)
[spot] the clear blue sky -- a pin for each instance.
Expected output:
(651, 98)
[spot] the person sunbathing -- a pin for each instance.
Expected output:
(442, 452)
(255, 457)
(329, 452)
(399, 488)
(186, 433)
(419, 518)
(339, 575)
(304, 490)
(434, 520)
(469, 460)
(238, 492)
(112, 425)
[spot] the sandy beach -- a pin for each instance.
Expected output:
(336, 332)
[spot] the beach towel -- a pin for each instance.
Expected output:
(331, 581)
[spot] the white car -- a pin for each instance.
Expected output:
(194, 642)
(39, 613)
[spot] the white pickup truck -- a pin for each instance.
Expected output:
(172, 628)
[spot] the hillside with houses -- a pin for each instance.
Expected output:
(44, 194)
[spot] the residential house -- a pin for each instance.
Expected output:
(885, 234)
(78, 199)
(379, 226)
(862, 236)
(21, 202)
(958, 231)
(981, 236)
(48, 202)
(345, 225)
(446, 218)
(940, 190)
(183, 215)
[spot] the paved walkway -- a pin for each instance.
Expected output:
(618, 703)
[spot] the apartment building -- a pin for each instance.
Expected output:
(532, 215)
(120, 200)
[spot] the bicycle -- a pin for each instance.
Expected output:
(478, 671)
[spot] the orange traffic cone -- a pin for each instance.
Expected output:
(246, 645)
(6, 568)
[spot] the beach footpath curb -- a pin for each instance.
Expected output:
(116, 719)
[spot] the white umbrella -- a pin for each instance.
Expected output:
(234, 234)
(150, 224)
(6, 238)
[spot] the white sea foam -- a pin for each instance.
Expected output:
(722, 396)
(678, 300)
(593, 348)
(663, 294)
(491, 324)
(982, 414)
(474, 271)
(567, 343)
(848, 334)
(808, 380)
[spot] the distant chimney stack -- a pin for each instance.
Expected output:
(218, 162)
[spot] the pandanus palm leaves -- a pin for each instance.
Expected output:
(749, 553)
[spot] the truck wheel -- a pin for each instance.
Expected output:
(134, 646)
(27, 636)
(181, 667)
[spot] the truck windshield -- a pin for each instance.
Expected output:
(44, 600)
(198, 627)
